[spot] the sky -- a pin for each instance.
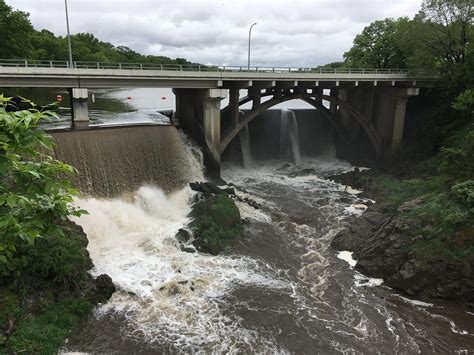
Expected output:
(293, 33)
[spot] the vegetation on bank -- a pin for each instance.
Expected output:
(45, 288)
(20, 40)
(435, 167)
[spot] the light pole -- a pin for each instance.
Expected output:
(250, 33)
(68, 36)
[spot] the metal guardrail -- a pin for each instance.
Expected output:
(26, 63)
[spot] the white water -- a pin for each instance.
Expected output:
(289, 137)
(165, 294)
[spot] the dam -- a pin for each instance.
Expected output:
(282, 289)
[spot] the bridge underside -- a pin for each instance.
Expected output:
(375, 113)
(371, 105)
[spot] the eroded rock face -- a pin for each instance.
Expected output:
(383, 247)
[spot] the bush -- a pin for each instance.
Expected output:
(216, 224)
(465, 192)
(35, 196)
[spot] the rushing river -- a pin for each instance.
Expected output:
(281, 289)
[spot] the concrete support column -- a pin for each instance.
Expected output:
(234, 106)
(212, 128)
(333, 104)
(399, 116)
(317, 95)
(256, 98)
(79, 108)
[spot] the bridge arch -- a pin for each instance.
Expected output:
(231, 133)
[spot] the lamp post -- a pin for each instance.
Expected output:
(250, 33)
(68, 36)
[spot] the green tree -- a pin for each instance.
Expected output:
(379, 46)
(35, 195)
(443, 40)
(15, 33)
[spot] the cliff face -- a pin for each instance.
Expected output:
(386, 244)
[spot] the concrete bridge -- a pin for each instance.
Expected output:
(371, 100)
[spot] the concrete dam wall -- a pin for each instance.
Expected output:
(111, 161)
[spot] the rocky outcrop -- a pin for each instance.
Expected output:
(215, 222)
(383, 247)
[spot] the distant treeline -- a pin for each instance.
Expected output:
(18, 39)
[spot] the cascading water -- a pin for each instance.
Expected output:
(289, 137)
(282, 289)
(122, 159)
(244, 137)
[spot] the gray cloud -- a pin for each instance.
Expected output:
(289, 33)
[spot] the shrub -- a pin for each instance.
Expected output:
(35, 195)
(465, 192)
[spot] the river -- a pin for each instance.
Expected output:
(282, 289)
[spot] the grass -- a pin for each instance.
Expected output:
(445, 222)
(41, 332)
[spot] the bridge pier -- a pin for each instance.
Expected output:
(212, 129)
(79, 108)
(198, 112)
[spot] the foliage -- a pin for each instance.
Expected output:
(34, 195)
(378, 46)
(19, 40)
(465, 102)
(464, 191)
(16, 32)
(456, 161)
(216, 224)
(41, 333)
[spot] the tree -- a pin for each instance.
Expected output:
(378, 46)
(15, 33)
(35, 196)
(444, 39)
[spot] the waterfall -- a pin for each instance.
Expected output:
(244, 137)
(116, 160)
(289, 137)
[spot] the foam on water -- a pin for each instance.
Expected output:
(166, 295)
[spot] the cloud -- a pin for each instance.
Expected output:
(289, 33)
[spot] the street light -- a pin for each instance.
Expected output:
(68, 36)
(250, 33)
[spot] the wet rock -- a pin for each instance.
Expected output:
(188, 249)
(216, 224)
(104, 287)
(183, 236)
(208, 188)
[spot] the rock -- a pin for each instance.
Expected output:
(183, 236)
(410, 205)
(208, 188)
(216, 224)
(104, 287)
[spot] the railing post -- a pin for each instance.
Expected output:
(75, 65)
(120, 65)
(199, 67)
(180, 67)
(50, 63)
(161, 67)
(98, 65)
(141, 66)
(26, 64)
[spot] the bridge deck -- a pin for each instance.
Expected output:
(97, 75)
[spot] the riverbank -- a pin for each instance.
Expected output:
(419, 234)
(51, 295)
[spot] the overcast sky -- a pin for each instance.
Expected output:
(288, 33)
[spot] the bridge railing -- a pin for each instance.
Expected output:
(27, 63)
